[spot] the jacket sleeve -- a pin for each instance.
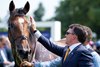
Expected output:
(53, 63)
(51, 46)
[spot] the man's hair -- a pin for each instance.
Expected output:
(79, 31)
(2, 38)
(88, 33)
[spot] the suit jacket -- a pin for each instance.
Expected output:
(96, 56)
(8, 54)
(96, 59)
(79, 57)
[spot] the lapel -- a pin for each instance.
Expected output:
(71, 54)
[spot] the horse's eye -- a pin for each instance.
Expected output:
(12, 26)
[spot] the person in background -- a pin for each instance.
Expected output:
(6, 58)
(6, 41)
(74, 54)
(98, 46)
(96, 57)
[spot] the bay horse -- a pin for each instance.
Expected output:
(23, 43)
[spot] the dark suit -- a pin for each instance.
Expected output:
(8, 54)
(79, 57)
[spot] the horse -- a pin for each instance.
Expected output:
(22, 41)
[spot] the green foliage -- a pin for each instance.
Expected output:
(39, 13)
(3, 30)
(86, 12)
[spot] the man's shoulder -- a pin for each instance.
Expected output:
(82, 49)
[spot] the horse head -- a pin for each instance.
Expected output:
(22, 43)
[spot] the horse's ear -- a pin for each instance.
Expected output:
(11, 6)
(26, 7)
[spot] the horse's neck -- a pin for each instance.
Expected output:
(32, 39)
(33, 42)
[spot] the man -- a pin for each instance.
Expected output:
(96, 57)
(6, 58)
(73, 55)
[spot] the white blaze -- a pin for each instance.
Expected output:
(21, 20)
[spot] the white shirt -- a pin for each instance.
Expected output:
(37, 34)
(73, 46)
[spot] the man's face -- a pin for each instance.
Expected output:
(1, 44)
(4, 41)
(70, 36)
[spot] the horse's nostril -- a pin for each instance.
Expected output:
(23, 37)
(23, 52)
(20, 51)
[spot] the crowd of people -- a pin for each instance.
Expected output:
(79, 50)
(6, 57)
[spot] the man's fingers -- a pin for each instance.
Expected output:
(23, 64)
(32, 24)
(32, 20)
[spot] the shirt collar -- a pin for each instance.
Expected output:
(73, 46)
(88, 46)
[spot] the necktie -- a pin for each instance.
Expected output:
(67, 52)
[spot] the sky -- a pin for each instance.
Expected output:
(49, 6)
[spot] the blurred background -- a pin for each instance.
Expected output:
(86, 12)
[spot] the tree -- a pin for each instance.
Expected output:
(86, 12)
(39, 13)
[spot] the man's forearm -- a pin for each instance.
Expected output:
(53, 63)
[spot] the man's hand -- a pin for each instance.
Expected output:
(26, 64)
(7, 62)
(33, 24)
